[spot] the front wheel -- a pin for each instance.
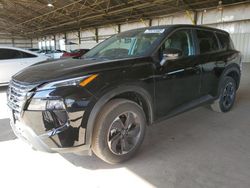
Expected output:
(119, 131)
(226, 96)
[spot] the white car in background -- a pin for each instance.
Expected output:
(12, 60)
(52, 54)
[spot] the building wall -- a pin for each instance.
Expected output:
(15, 42)
(134, 25)
(181, 18)
(234, 19)
(6, 41)
(35, 43)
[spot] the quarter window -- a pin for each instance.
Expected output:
(207, 41)
(224, 41)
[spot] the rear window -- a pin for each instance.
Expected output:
(224, 41)
(207, 41)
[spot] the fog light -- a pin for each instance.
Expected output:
(43, 104)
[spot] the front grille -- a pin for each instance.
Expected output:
(17, 95)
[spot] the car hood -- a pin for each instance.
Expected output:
(69, 68)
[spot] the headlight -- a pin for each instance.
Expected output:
(57, 104)
(82, 81)
(45, 104)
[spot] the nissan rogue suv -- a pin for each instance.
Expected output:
(104, 101)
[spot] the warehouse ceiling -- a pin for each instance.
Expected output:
(33, 18)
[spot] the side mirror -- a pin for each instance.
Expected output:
(170, 54)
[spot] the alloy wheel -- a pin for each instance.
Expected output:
(228, 95)
(124, 133)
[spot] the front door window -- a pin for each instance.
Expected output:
(181, 40)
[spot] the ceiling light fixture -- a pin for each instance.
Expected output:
(220, 6)
(50, 4)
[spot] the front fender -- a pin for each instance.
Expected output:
(108, 96)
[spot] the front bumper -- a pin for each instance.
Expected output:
(28, 135)
(38, 142)
(60, 130)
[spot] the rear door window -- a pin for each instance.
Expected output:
(207, 41)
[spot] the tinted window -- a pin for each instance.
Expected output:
(9, 54)
(207, 41)
(14, 54)
(224, 41)
(180, 40)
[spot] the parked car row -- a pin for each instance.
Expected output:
(12, 59)
(57, 54)
(75, 53)
(52, 54)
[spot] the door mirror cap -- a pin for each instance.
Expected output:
(170, 54)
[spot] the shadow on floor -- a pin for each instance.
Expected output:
(6, 132)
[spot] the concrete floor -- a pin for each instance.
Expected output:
(199, 148)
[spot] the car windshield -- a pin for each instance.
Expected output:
(127, 44)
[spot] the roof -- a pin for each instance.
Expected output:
(198, 27)
(34, 18)
(176, 26)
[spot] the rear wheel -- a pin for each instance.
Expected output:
(119, 131)
(226, 96)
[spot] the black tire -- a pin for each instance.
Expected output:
(227, 93)
(112, 141)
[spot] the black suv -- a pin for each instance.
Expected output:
(104, 101)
